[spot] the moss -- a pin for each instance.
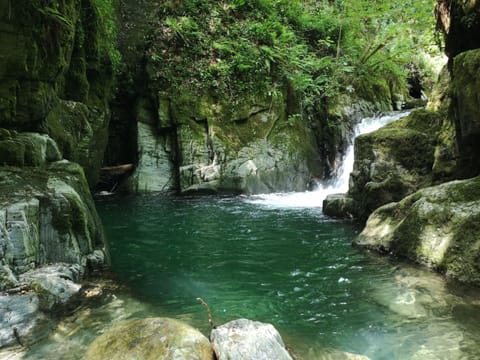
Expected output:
(12, 153)
(420, 120)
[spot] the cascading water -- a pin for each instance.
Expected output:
(339, 184)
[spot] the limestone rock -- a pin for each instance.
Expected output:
(151, 338)
(245, 339)
(29, 149)
(436, 226)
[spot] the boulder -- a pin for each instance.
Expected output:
(151, 338)
(338, 206)
(54, 284)
(394, 161)
(246, 339)
(436, 226)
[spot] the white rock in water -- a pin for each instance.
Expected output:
(244, 339)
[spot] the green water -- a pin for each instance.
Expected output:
(273, 262)
(291, 267)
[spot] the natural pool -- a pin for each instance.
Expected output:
(267, 259)
(289, 266)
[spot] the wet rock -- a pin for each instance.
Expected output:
(338, 206)
(152, 338)
(54, 284)
(245, 339)
(436, 226)
(21, 321)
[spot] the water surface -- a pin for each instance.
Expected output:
(289, 266)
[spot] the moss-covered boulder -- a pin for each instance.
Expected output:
(437, 226)
(393, 161)
(151, 338)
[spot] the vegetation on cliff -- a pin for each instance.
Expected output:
(317, 48)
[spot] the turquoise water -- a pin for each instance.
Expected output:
(275, 259)
(289, 266)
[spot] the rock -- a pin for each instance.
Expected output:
(152, 338)
(393, 161)
(245, 339)
(21, 321)
(436, 226)
(460, 23)
(81, 132)
(338, 206)
(466, 84)
(54, 284)
(46, 216)
(154, 172)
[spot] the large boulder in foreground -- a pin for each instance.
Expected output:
(437, 226)
(246, 339)
(151, 338)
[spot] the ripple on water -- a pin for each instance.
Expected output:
(291, 267)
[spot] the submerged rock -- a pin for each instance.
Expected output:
(152, 338)
(436, 226)
(21, 320)
(246, 339)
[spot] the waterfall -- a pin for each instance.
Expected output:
(337, 185)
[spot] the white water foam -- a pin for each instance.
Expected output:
(315, 198)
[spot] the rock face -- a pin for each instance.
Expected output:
(24, 315)
(202, 145)
(152, 338)
(459, 22)
(246, 339)
(390, 163)
(437, 226)
(46, 216)
(466, 84)
(56, 77)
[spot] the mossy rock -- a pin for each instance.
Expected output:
(12, 153)
(151, 338)
(394, 161)
(436, 226)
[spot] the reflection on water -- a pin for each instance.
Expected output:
(288, 266)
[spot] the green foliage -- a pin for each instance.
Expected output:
(320, 48)
(107, 10)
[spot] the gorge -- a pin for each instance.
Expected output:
(219, 102)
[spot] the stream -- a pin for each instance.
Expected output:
(273, 258)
